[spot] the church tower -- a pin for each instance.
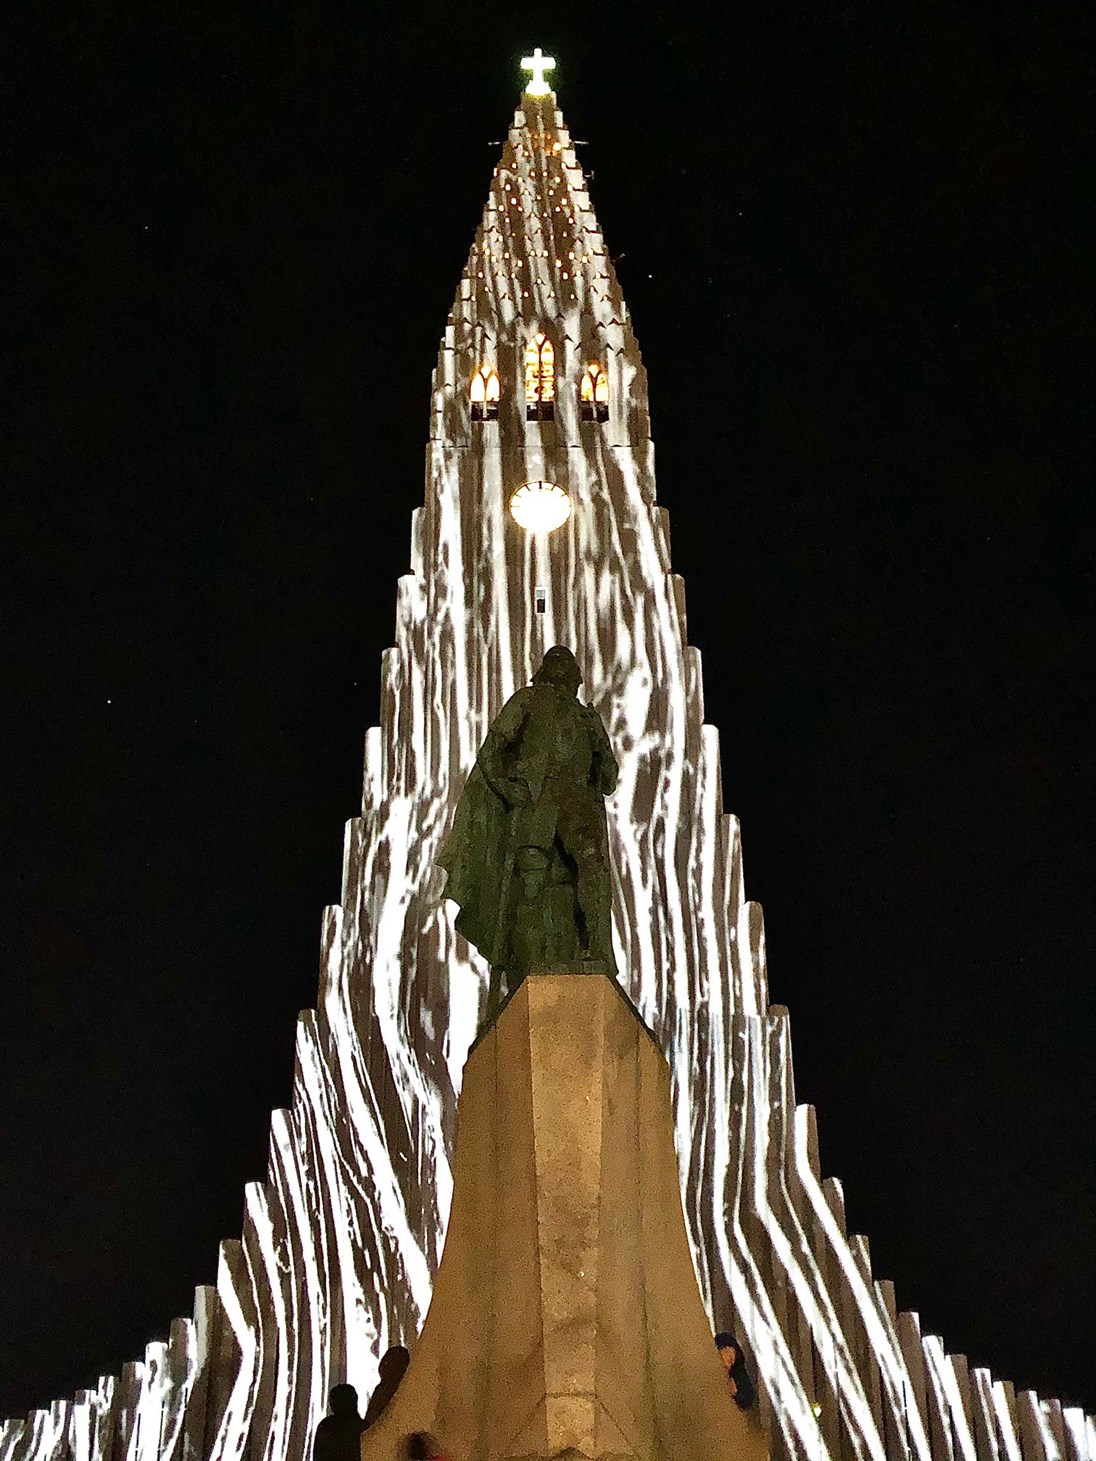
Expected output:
(540, 526)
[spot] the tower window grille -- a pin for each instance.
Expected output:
(540, 379)
(594, 393)
(485, 395)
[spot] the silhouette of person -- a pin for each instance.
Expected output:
(734, 1362)
(339, 1435)
(393, 1367)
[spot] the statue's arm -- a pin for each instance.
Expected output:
(604, 762)
(502, 735)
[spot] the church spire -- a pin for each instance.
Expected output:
(539, 267)
(539, 248)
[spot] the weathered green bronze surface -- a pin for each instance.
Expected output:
(528, 858)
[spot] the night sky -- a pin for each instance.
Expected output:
(853, 239)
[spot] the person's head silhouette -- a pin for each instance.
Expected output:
(343, 1400)
(391, 1370)
(394, 1363)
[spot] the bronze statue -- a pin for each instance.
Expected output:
(527, 858)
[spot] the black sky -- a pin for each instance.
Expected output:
(852, 238)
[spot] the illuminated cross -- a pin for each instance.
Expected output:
(537, 64)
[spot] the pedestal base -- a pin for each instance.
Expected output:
(566, 1320)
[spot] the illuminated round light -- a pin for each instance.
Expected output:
(540, 507)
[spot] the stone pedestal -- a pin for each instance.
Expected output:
(566, 1319)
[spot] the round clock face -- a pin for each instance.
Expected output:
(540, 507)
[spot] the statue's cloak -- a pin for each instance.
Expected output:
(478, 857)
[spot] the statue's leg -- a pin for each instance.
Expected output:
(592, 897)
(562, 945)
(494, 994)
(527, 933)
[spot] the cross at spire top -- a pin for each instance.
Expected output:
(537, 64)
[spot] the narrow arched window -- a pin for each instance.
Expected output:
(540, 379)
(594, 393)
(485, 395)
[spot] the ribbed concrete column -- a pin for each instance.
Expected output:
(566, 1319)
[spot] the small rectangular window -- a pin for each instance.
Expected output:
(485, 394)
(594, 394)
(541, 598)
(540, 378)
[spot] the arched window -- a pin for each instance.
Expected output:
(540, 379)
(485, 395)
(594, 392)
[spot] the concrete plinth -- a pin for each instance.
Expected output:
(566, 1319)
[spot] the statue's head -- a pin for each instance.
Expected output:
(560, 668)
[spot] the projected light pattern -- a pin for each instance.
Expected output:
(341, 1240)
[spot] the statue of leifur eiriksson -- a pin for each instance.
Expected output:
(528, 858)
